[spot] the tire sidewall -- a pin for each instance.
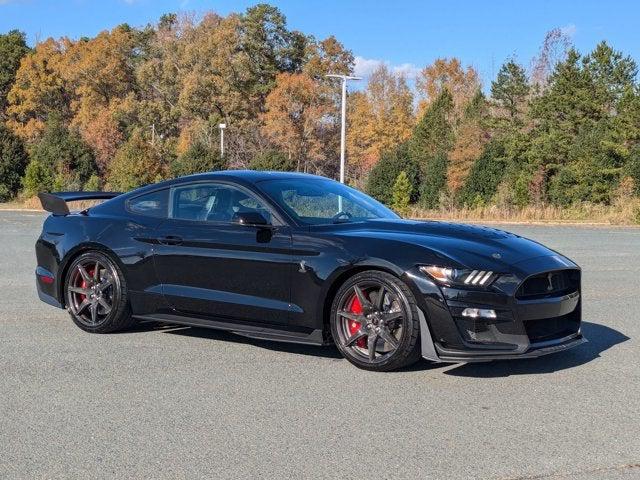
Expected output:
(110, 323)
(403, 354)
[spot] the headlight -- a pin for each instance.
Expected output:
(455, 276)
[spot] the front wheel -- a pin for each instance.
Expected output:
(96, 294)
(375, 323)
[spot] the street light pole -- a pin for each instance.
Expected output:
(222, 126)
(343, 126)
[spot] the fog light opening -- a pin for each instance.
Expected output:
(479, 313)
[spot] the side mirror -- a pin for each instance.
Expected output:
(250, 219)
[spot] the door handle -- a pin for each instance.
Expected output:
(170, 240)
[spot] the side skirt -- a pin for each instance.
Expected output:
(315, 337)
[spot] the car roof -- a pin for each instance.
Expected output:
(250, 176)
(239, 176)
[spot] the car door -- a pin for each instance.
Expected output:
(210, 265)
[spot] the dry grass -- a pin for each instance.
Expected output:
(622, 213)
(33, 203)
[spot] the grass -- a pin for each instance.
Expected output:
(33, 203)
(623, 212)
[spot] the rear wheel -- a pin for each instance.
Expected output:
(374, 322)
(96, 294)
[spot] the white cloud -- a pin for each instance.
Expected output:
(569, 30)
(364, 67)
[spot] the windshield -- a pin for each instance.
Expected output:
(318, 201)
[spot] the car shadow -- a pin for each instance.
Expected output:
(328, 351)
(600, 338)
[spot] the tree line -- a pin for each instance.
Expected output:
(137, 105)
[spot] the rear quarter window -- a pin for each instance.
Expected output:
(154, 204)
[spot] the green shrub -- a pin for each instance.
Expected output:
(272, 160)
(39, 177)
(385, 173)
(136, 163)
(197, 159)
(92, 184)
(402, 194)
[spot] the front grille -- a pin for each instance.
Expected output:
(550, 284)
(553, 328)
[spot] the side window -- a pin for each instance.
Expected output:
(152, 204)
(213, 203)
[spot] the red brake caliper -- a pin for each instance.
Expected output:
(356, 307)
(84, 284)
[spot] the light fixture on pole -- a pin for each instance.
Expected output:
(222, 126)
(343, 126)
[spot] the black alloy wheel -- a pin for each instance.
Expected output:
(374, 322)
(95, 292)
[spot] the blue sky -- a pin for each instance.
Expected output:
(405, 34)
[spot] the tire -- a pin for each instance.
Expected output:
(95, 291)
(375, 322)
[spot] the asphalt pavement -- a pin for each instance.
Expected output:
(179, 402)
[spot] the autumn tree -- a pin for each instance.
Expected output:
(326, 56)
(447, 74)
(470, 138)
(40, 89)
(379, 118)
(294, 119)
(554, 49)
(99, 73)
(13, 47)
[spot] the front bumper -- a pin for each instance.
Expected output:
(445, 355)
(524, 326)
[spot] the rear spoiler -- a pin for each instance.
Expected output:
(56, 203)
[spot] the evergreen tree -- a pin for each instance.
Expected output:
(61, 160)
(510, 91)
(401, 194)
(434, 180)
(432, 138)
(13, 47)
(384, 174)
(13, 161)
(485, 176)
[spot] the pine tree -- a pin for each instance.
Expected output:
(401, 194)
(510, 91)
(13, 46)
(432, 139)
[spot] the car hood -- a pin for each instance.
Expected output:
(468, 245)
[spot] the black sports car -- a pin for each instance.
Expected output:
(301, 258)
